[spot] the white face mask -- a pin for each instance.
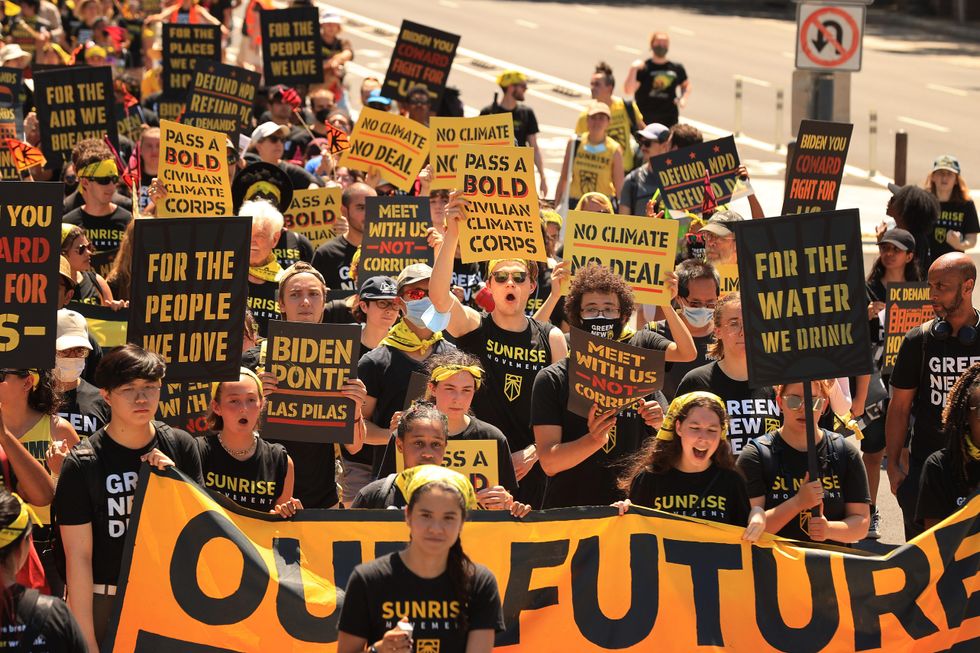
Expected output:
(67, 370)
(698, 317)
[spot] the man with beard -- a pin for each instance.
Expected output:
(931, 358)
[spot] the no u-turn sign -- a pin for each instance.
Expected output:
(828, 36)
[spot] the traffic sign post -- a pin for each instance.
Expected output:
(829, 35)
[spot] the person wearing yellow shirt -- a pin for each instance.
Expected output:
(593, 161)
(625, 118)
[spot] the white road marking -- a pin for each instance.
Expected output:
(683, 31)
(922, 123)
(526, 23)
(947, 89)
(587, 10)
(755, 81)
(449, 3)
(628, 50)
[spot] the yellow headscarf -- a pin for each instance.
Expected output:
(668, 428)
(16, 528)
(269, 271)
(404, 339)
(103, 168)
(415, 478)
(443, 372)
(244, 371)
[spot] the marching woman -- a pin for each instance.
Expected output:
(775, 466)
(90, 287)
(688, 469)
(430, 590)
(29, 622)
(235, 460)
(952, 474)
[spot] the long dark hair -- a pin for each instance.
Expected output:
(659, 456)
(459, 567)
(9, 511)
(911, 272)
(43, 397)
(956, 425)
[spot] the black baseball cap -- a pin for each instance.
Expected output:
(379, 288)
(900, 238)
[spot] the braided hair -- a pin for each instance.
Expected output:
(956, 425)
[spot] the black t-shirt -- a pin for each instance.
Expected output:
(467, 276)
(87, 289)
(292, 247)
(953, 216)
(255, 483)
(336, 311)
(941, 492)
(674, 372)
(85, 409)
(386, 373)
(381, 592)
(476, 430)
(790, 466)
(658, 90)
(58, 633)
(299, 177)
(525, 122)
(119, 466)
(933, 375)
(751, 411)
(263, 302)
(593, 481)
(104, 231)
(540, 295)
(380, 494)
(332, 259)
(716, 494)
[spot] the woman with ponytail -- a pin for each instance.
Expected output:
(952, 474)
(28, 621)
(430, 590)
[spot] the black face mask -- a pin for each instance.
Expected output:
(660, 51)
(603, 327)
(322, 114)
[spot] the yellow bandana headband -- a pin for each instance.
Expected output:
(16, 528)
(104, 168)
(413, 479)
(443, 372)
(668, 428)
(511, 77)
(242, 372)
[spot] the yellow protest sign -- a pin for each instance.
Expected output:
(313, 212)
(728, 278)
(194, 168)
(393, 145)
(449, 134)
(223, 578)
(474, 459)
(503, 220)
(639, 249)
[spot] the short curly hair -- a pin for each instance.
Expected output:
(597, 278)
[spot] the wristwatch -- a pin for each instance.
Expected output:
(372, 649)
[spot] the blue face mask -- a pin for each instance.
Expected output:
(423, 314)
(594, 149)
(698, 317)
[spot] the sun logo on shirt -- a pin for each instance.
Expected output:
(428, 646)
(512, 386)
(805, 521)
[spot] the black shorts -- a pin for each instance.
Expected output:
(874, 436)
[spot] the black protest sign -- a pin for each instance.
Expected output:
(817, 166)
(417, 385)
(190, 282)
(129, 121)
(11, 123)
(220, 98)
(74, 104)
(394, 235)
(680, 174)
(907, 305)
(311, 363)
(30, 245)
(804, 306)
(612, 375)
(185, 406)
(183, 47)
(291, 51)
(423, 55)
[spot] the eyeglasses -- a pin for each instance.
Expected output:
(795, 402)
(384, 304)
(104, 181)
(414, 293)
(604, 312)
(81, 249)
(502, 277)
(644, 142)
(232, 158)
(132, 393)
(734, 325)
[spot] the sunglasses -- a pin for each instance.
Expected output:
(502, 277)
(419, 102)
(232, 158)
(414, 293)
(18, 373)
(275, 138)
(81, 249)
(104, 181)
(795, 402)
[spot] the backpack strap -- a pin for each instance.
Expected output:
(631, 114)
(837, 453)
(167, 437)
(388, 485)
(764, 444)
(32, 611)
